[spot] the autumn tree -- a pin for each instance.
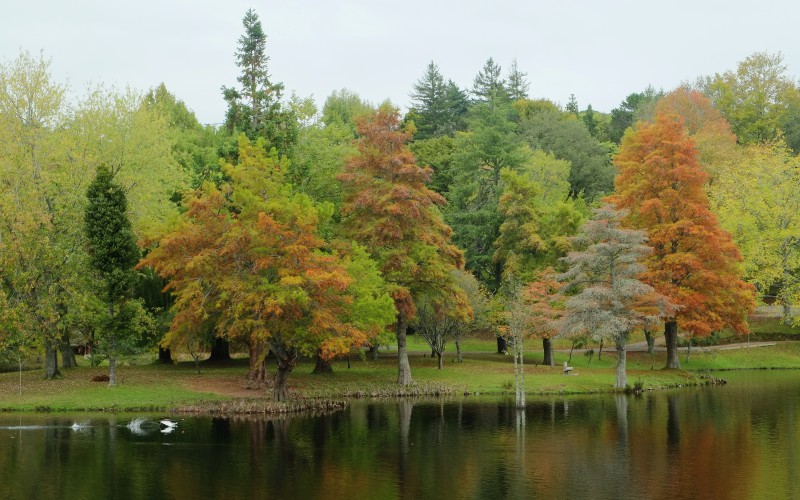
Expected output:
(695, 263)
(247, 258)
(609, 300)
(759, 203)
(389, 209)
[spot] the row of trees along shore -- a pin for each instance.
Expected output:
(295, 231)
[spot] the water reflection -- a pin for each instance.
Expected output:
(740, 441)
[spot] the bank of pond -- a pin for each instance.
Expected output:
(739, 440)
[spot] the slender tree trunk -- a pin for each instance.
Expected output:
(501, 345)
(547, 347)
(600, 352)
(671, 336)
(622, 375)
(164, 355)
(112, 371)
(439, 355)
(50, 360)
(458, 349)
(67, 356)
(403, 366)
(570, 352)
(651, 341)
(787, 313)
(257, 371)
(373, 349)
(433, 353)
(220, 350)
(321, 365)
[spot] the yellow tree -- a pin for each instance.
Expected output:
(759, 203)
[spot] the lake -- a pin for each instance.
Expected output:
(738, 441)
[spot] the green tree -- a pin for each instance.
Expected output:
(572, 105)
(255, 108)
(489, 86)
(759, 203)
(490, 145)
(757, 99)
(568, 139)
(113, 253)
(635, 107)
(518, 85)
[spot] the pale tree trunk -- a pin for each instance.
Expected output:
(671, 336)
(112, 371)
(622, 375)
(403, 366)
(547, 347)
(519, 372)
(458, 349)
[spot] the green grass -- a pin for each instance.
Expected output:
(155, 387)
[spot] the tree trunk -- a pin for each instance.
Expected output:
(285, 366)
(112, 371)
(501, 345)
(787, 313)
(622, 375)
(671, 336)
(547, 347)
(651, 341)
(600, 352)
(433, 353)
(373, 349)
(67, 356)
(458, 349)
(322, 366)
(220, 350)
(164, 355)
(257, 371)
(50, 360)
(403, 366)
(439, 355)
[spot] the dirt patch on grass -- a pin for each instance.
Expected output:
(234, 387)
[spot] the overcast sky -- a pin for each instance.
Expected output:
(599, 50)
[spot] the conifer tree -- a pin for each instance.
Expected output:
(695, 263)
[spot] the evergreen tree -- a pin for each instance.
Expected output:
(588, 120)
(255, 108)
(518, 84)
(488, 85)
(428, 99)
(572, 105)
(113, 253)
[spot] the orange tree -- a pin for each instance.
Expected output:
(695, 263)
(389, 209)
(246, 261)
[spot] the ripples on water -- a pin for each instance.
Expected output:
(737, 441)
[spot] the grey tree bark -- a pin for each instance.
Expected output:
(403, 366)
(622, 375)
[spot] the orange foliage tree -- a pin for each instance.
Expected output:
(389, 209)
(246, 260)
(545, 304)
(695, 263)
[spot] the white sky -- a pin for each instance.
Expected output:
(599, 50)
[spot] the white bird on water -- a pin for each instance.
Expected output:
(167, 425)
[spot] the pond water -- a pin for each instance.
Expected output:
(738, 441)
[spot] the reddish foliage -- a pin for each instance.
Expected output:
(695, 263)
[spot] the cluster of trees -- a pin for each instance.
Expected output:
(298, 231)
